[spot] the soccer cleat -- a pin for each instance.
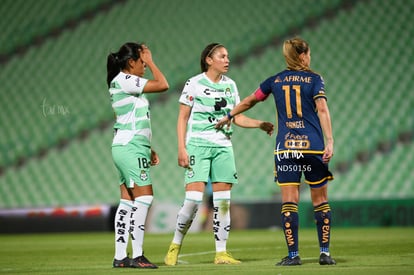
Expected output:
(225, 258)
(326, 260)
(125, 262)
(172, 255)
(142, 262)
(290, 261)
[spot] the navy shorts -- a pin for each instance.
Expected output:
(288, 171)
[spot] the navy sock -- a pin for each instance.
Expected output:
(322, 214)
(290, 224)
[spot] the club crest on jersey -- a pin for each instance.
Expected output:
(228, 92)
(190, 173)
(143, 175)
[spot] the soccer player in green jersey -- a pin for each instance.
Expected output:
(131, 146)
(206, 152)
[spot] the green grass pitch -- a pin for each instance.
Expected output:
(356, 250)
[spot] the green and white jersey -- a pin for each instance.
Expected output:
(131, 108)
(210, 102)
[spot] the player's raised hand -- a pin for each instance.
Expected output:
(146, 55)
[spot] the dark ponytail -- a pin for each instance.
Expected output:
(112, 67)
(119, 60)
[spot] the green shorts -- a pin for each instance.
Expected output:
(133, 162)
(214, 162)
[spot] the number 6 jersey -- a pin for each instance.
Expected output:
(209, 102)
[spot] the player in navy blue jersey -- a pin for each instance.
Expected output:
(304, 143)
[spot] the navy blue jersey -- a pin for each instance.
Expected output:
(295, 92)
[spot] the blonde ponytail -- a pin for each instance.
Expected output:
(292, 49)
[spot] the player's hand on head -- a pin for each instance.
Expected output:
(146, 55)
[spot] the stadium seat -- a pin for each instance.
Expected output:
(367, 88)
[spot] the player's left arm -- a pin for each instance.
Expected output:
(246, 122)
(241, 120)
(325, 120)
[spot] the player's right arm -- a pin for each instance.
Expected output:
(183, 116)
